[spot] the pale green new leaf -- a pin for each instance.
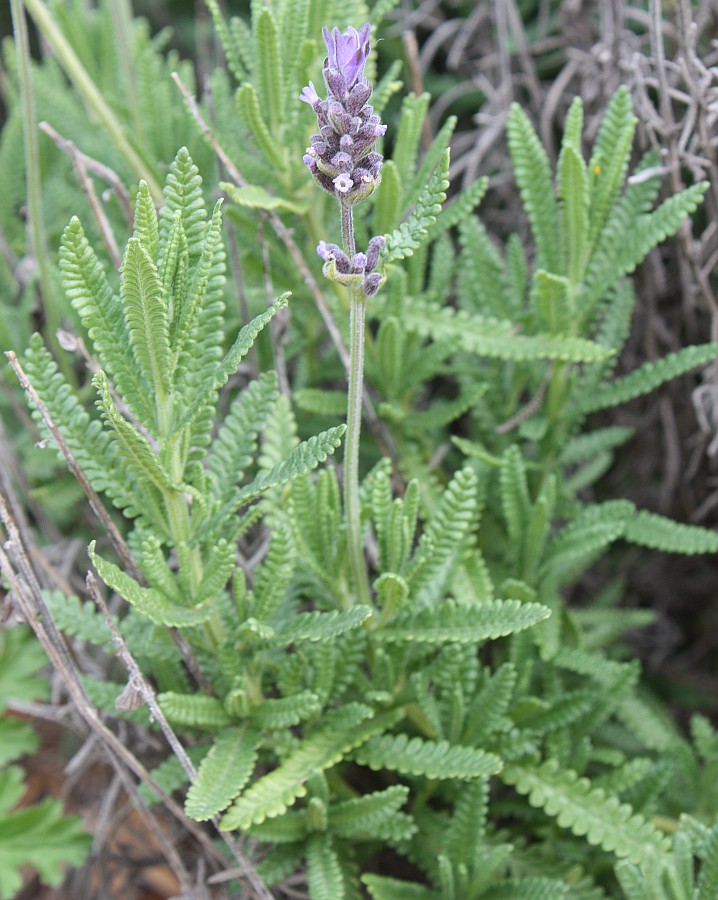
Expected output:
(408, 132)
(257, 197)
(272, 794)
(132, 445)
(223, 773)
(147, 316)
(251, 114)
(387, 206)
(149, 602)
(573, 192)
(552, 299)
(383, 888)
(269, 74)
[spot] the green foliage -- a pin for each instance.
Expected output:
(428, 758)
(38, 835)
(272, 794)
(586, 810)
(495, 747)
(223, 773)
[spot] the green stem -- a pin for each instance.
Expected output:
(36, 231)
(178, 512)
(352, 508)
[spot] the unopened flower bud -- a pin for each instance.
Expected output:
(376, 245)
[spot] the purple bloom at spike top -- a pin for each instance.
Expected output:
(342, 156)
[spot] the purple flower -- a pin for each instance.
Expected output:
(343, 183)
(347, 53)
(309, 94)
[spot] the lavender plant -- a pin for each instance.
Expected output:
(343, 161)
(457, 731)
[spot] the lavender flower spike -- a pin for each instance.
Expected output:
(342, 158)
(348, 53)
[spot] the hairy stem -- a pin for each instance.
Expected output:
(178, 510)
(357, 562)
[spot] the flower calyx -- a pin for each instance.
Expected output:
(356, 272)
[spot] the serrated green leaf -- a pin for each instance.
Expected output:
(149, 602)
(272, 794)
(239, 349)
(194, 710)
(532, 171)
(651, 530)
(304, 458)
(320, 626)
(454, 623)
(132, 445)
(407, 238)
(223, 773)
(573, 193)
(269, 73)
(147, 317)
(324, 874)
(648, 377)
(587, 810)
(432, 759)
(496, 338)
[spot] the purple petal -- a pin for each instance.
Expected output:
(309, 94)
(343, 183)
